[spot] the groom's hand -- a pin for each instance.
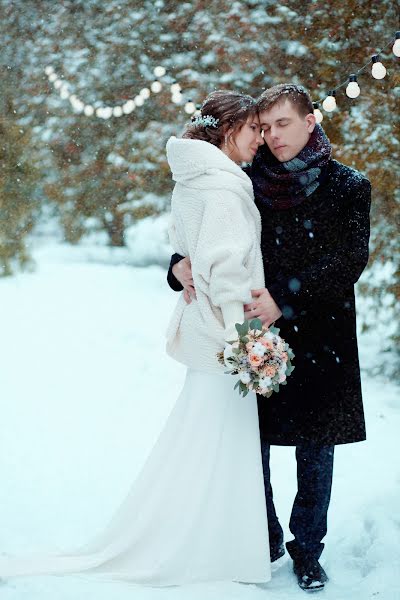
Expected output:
(182, 271)
(263, 307)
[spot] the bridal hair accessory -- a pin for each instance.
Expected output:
(205, 120)
(260, 357)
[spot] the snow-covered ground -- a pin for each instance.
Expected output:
(85, 389)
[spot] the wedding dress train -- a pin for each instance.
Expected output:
(196, 512)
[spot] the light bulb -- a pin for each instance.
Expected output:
(57, 83)
(176, 98)
(117, 111)
(378, 69)
(156, 87)
(53, 77)
(145, 93)
(77, 105)
(159, 71)
(128, 107)
(107, 112)
(353, 89)
(190, 107)
(139, 100)
(329, 104)
(49, 70)
(396, 45)
(318, 115)
(88, 110)
(99, 112)
(64, 93)
(175, 88)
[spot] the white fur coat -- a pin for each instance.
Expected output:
(215, 222)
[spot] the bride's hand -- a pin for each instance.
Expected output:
(263, 307)
(182, 271)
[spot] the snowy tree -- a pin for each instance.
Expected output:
(364, 131)
(19, 205)
(105, 173)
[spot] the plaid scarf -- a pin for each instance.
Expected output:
(281, 185)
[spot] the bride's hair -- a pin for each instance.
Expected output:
(230, 109)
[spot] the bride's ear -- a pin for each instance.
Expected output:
(227, 135)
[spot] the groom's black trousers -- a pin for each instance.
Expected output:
(308, 521)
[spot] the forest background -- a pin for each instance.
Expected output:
(101, 176)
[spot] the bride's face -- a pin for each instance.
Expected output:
(243, 144)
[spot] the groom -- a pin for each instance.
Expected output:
(315, 231)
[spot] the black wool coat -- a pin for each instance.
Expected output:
(313, 255)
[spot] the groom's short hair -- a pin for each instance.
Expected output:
(296, 94)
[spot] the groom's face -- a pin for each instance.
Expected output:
(286, 132)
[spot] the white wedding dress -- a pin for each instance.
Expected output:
(196, 512)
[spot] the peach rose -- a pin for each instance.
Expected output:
(266, 343)
(249, 346)
(269, 371)
(255, 361)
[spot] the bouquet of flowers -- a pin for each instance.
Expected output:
(260, 357)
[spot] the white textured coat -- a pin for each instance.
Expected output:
(215, 222)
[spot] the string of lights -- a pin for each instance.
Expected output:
(378, 71)
(119, 110)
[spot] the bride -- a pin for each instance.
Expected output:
(197, 510)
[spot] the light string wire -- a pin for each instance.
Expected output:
(177, 97)
(361, 70)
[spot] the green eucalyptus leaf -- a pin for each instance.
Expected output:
(256, 324)
(242, 329)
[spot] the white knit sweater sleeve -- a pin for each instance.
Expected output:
(219, 263)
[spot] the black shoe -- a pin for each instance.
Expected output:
(277, 552)
(311, 577)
